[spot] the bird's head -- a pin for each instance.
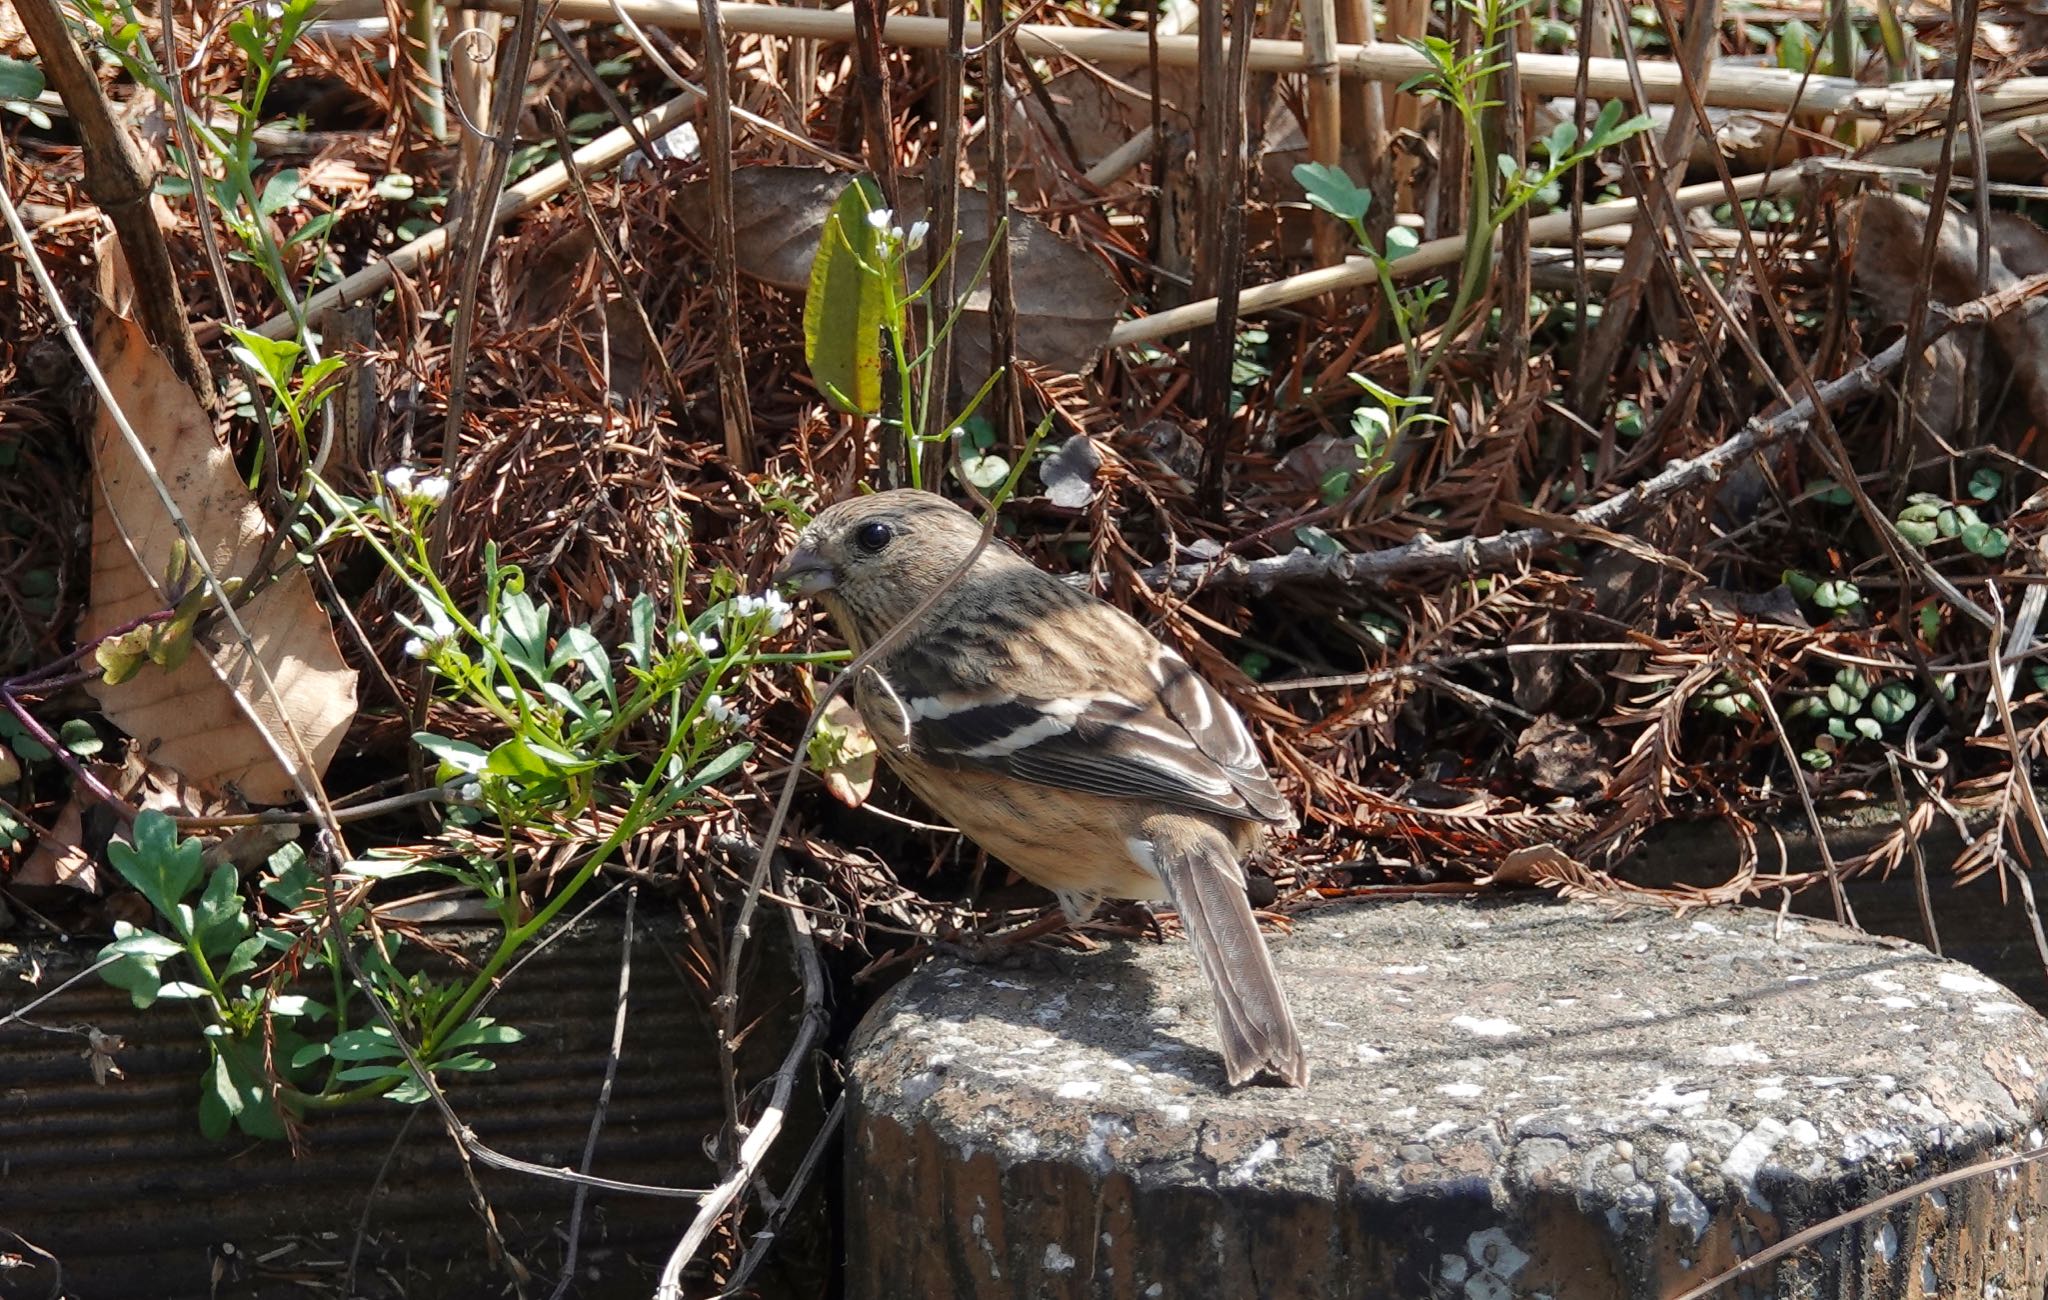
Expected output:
(872, 559)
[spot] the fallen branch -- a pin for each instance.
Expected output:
(1731, 86)
(121, 184)
(1426, 555)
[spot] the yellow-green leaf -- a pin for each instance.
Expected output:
(848, 299)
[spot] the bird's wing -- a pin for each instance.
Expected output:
(1179, 742)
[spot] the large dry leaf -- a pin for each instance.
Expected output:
(1887, 234)
(203, 718)
(1066, 301)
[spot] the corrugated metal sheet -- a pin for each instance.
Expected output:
(118, 1183)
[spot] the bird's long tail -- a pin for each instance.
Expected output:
(1206, 884)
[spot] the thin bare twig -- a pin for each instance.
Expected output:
(604, 1094)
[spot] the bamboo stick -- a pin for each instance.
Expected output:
(1432, 256)
(1543, 74)
(1325, 120)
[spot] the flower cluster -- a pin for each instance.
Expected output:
(429, 637)
(770, 603)
(892, 236)
(723, 713)
(418, 491)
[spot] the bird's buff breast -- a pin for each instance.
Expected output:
(1061, 839)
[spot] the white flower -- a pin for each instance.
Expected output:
(723, 713)
(913, 239)
(416, 490)
(881, 218)
(778, 611)
(708, 644)
(415, 648)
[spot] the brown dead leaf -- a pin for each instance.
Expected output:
(59, 858)
(1888, 233)
(1066, 301)
(851, 774)
(208, 718)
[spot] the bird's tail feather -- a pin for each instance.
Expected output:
(1207, 888)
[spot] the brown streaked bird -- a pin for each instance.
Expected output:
(1058, 734)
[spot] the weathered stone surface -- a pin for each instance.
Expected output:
(1520, 1099)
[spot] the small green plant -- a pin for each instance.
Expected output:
(632, 733)
(1928, 519)
(1501, 185)
(862, 316)
(20, 85)
(1855, 708)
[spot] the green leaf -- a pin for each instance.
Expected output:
(244, 958)
(640, 636)
(1985, 483)
(985, 471)
(1837, 593)
(219, 1100)
(458, 757)
(19, 81)
(1893, 703)
(1831, 492)
(1330, 189)
(1401, 241)
(1818, 759)
(578, 645)
(290, 876)
(129, 941)
(273, 359)
(1869, 728)
(138, 976)
(525, 637)
(481, 1031)
(846, 308)
(720, 767)
(369, 1043)
(78, 736)
(219, 923)
(1985, 540)
(157, 865)
(1921, 533)
(1930, 621)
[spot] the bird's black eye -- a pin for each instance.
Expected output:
(873, 536)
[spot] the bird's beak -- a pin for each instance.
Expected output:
(810, 571)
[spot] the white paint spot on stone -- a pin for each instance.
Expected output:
(1460, 1089)
(1769, 1092)
(1676, 1157)
(1439, 1129)
(1887, 1243)
(1896, 1003)
(1494, 1251)
(1057, 1260)
(1687, 1210)
(1958, 982)
(1736, 1054)
(1404, 970)
(1803, 1132)
(1747, 1156)
(1175, 1112)
(1993, 1010)
(1249, 1166)
(1075, 1089)
(1487, 1027)
(1671, 1095)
